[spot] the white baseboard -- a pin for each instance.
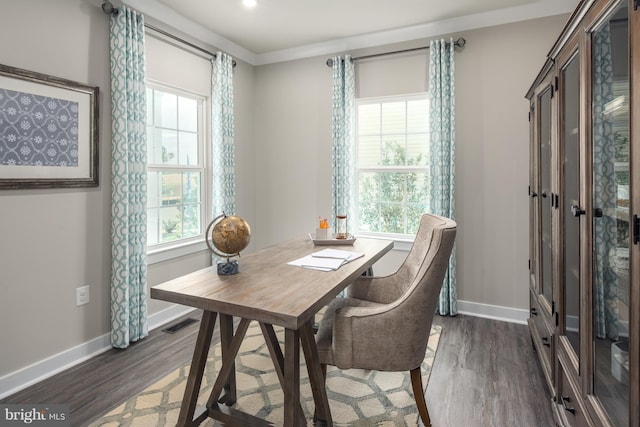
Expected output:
(495, 312)
(168, 315)
(43, 369)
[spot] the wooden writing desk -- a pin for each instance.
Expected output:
(273, 293)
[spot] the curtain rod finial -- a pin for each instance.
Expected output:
(108, 8)
(460, 42)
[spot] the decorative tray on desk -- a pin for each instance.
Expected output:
(329, 242)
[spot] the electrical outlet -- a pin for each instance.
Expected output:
(82, 295)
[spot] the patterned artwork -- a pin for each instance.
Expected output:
(37, 130)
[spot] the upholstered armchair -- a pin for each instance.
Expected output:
(384, 323)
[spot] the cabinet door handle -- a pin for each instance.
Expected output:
(544, 194)
(576, 211)
(534, 194)
(545, 342)
(564, 400)
(597, 212)
(534, 312)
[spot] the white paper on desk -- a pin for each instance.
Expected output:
(318, 263)
(326, 259)
(337, 254)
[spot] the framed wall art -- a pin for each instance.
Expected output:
(48, 131)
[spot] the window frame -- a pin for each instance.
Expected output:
(159, 252)
(403, 239)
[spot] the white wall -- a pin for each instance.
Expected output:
(53, 241)
(492, 160)
(293, 147)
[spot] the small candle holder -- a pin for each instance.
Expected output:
(323, 234)
(341, 227)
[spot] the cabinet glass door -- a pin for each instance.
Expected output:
(571, 210)
(533, 200)
(544, 134)
(610, 136)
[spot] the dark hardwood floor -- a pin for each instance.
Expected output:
(485, 374)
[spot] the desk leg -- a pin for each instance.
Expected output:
(198, 363)
(277, 357)
(292, 416)
(228, 363)
(275, 351)
(226, 335)
(316, 376)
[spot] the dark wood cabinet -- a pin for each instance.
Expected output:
(584, 204)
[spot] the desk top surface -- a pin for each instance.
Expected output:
(269, 290)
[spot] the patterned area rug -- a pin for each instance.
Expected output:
(356, 397)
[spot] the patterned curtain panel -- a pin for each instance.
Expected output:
(442, 153)
(129, 179)
(222, 148)
(604, 191)
(342, 134)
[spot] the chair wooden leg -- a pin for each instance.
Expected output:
(418, 393)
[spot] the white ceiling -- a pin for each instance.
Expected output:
(281, 29)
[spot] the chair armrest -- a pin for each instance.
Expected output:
(382, 337)
(381, 290)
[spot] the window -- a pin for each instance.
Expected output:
(392, 164)
(175, 166)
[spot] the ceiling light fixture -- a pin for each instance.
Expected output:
(249, 3)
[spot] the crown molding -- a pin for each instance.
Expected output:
(538, 9)
(169, 16)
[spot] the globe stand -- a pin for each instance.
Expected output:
(228, 268)
(221, 226)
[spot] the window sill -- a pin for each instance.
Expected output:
(399, 243)
(155, 256)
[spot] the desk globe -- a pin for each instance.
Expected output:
(226, 236)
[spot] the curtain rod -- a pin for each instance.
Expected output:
(458, 43)
(109, 9)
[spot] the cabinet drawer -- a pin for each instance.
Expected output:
(568, 409)
(543, 340)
